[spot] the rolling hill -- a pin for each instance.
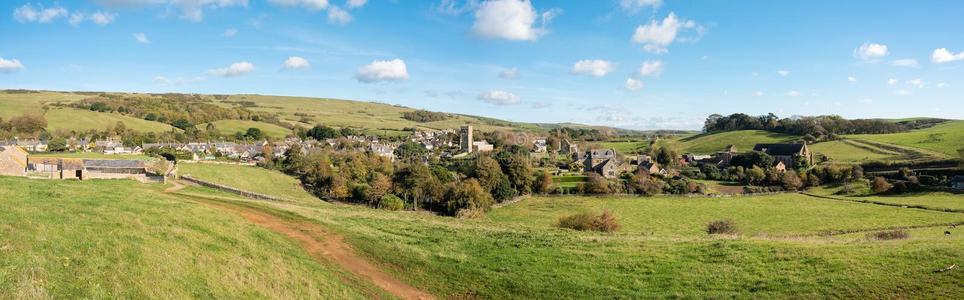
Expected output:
(945, 138)
(743, 139)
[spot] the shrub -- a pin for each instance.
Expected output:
(726, 226)
(604, 222)
(898, 234)
(391, 202)
(879, 185)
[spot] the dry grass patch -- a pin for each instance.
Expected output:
(898, 234)
(725, 226)
(602, 222)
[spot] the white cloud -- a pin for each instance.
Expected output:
(355, 3)
(783, 73)
(793, 93)
(10, 66)
(76, 18)
(541, 105)
(235, 69)
(338, 16)
(309, 4)
(499, 97)
(651, 68)
(102, 18)
(383, 70)
(230, 32)
(634, 6)
(891, 81)
(296, 62)
(634, 85)
(511, 20)
(903, 92)
(28, 14)
(942, 55)
(941, 85)
(453, 8)
(509, 73)
(868, 100)
(596, 68)
(909, 62)
(851, 79)
(870, 51)
(657, 36)
(141, 38)
(916, 82)
(191, 10)
(758, 93)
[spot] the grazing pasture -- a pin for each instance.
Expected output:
(230, 127)
(82, 120)
(743, 139)
(108, 239)
(249, 178)
(945, 138)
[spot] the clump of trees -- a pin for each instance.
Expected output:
(812, 128)
(179, 110)
(423, 116)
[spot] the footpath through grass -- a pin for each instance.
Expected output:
(118, 239)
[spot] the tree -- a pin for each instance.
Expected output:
(517, 168)
(57, 145)
(322, 132)
(879, 185)
(543, 184)
(27, 124)
(596, 184)
(503, 190)
(467, 195)
(791, 181)
(755, 175)
(254, 133)
(408, 151)
(379, 186)
(183, 124)
(488, 172)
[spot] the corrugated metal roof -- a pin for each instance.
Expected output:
(113, 163)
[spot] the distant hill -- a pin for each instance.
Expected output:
(368, 117)
(744, 140)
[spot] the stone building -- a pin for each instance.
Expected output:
(465, 139)
(13, 161)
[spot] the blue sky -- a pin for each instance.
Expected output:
(641, 64)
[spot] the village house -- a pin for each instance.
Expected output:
(601, 161)
(787, 153)
(539, 146)
(568, 148)
(383, 150)
(31, 145)
(482, 146)
(13, 161)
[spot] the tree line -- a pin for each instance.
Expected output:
(812, 127)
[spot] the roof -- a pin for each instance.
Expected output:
(43, 160)
(72, 164)
(780, 149)
(113, 163)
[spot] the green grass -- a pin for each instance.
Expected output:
(68, 119)
(781, 215)
(847, 152)
(13, 105)
(945, 138)
(523, 256)
(569, 181)
(940, 200)
(627, 147)
(118, 239)
(743, 139)
(253, 179)
(230, 127)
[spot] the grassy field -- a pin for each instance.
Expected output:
(945, 138)
(928, 199)
(785, 214)
(743, 139)
(16, 104)
(515, 253)
(230, 127)
(253, 179)
(848, 152)
(117, 239)
(627, 147)
(81, 120)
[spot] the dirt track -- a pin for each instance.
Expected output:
(326, 246)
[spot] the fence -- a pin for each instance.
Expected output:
(230, 189)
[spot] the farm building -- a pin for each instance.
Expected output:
(787, 153)
(601, 161)
(13, 161)
(83, 169)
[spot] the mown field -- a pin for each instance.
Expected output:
(847, 152)
(743, 139)
(230, 127)
(119, 239)
(627, 147)
(16, 104)
(82, 120)
(945, 138)
(253, 179)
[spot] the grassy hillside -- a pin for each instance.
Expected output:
(82, 120)
(16, 104)
(661, 253)
(117, 239)
(851, 152)
(229, 127)
(743, 139)
(253, 179)
(945, 138)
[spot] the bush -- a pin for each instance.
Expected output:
(726, 226)
(879, 185)
(898, 234)
(391, 202)
(604, 222)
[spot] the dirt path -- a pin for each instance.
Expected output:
(177, 187)
(326, 246)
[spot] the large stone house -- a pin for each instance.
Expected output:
(601, 161)
(567, 147)
(787, 153)
(13, 161)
